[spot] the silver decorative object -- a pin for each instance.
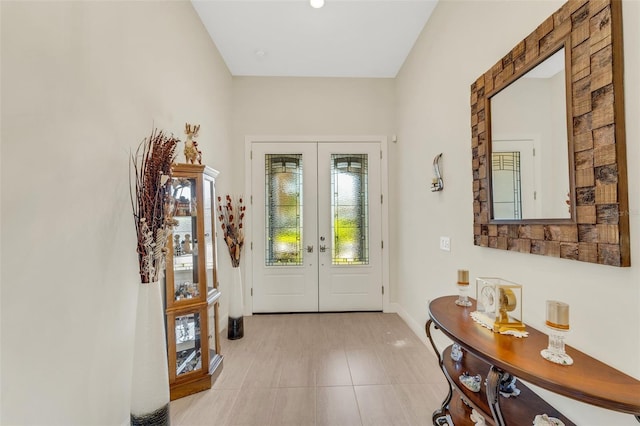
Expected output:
(471, 382)
(456, 352)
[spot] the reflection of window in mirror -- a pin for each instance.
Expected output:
(507, 193)
(530, 117)
(513, 178)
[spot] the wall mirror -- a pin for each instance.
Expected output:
(529, 144)
(549, 163)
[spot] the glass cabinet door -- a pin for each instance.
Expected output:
(188, 347)
(214, 344)
(209, 234)
(184, 242)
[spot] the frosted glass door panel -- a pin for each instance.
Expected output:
(283, 209)
(349, 209)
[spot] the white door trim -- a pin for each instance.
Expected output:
(383, 140)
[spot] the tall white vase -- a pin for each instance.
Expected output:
(235, 327)
(150, 378)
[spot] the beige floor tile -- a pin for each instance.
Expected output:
(253, 407)
(307, 332)
(396, 332)
(180, 408)
(295, 407)
(211, 408)
(332, 368)
(419, 401)
(264, 371)
(363, 330)
(366, 368)
(331, 332)
(297, 332)
(250, 343)
(425, 365)
(337, 406)
(297, 369)
(234, 370)
(379, 406)
(409, 365)
(275, 331)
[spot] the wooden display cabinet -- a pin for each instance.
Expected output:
(191, 283)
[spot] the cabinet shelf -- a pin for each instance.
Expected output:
(184, 363)
(524, 406)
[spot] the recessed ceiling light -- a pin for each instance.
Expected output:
(317, 4)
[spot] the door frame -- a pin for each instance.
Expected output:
(384, 189)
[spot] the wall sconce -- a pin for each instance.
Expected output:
(436, 183)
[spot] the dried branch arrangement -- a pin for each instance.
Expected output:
(231, 215)
(153, 204)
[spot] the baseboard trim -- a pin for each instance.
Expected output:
(392, 308)
(417, 328)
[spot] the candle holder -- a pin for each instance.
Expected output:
(558, 326)
(463, 288)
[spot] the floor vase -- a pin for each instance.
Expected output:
(150, 376)
(235, 327)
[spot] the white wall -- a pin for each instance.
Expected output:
(82, 84)
(460, 42)
(275, 106)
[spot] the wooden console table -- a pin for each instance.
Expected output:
(493, 355)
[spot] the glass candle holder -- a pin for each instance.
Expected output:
(558, 326)
(463, 288)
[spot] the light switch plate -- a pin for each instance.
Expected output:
(445, 243)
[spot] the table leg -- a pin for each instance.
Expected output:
(493, 394)
(441, 413)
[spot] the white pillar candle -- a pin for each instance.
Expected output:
(463, 277)
(557, 315)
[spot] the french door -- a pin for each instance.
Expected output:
(317, 226)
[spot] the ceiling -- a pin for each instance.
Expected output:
(345, 38)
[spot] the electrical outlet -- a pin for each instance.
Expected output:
(445, 243)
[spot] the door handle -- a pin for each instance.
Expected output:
(309, 249)
(323, 248)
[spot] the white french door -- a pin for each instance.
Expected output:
(316, 226)
(284, 254)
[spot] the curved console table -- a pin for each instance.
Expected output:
(494, 355)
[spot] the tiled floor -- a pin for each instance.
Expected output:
(320, 369)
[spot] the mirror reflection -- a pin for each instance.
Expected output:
(529, 146)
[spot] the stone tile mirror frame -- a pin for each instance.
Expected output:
(598, 231)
